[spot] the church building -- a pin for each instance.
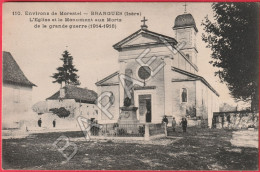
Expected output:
(164, 76)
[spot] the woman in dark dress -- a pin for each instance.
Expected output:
(148, 116)
(184, 124)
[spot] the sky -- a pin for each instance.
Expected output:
(38, 50)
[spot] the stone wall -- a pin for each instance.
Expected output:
(179, 108)
(16, 107)
(235, 120)
(200, 123)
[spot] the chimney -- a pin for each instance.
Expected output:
(62, 84)
(62, 93)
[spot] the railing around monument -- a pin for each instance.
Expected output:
(127, 130)
(118, 130)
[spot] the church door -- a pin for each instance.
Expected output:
(145, 108)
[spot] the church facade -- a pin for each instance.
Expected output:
(160, 75)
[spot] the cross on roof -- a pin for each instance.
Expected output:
(144, 20)
(185, 5)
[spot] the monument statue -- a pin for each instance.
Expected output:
(128, 111)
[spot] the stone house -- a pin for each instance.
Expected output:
(17, 94)
(79, 101)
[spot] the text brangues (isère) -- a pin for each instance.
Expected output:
(75, 19)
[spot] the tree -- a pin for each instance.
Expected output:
(40, 107)
(60, 112)
(234, 41)
(67, 72)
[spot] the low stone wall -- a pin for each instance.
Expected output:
(156, 129)
(201, 123)
(235, 120)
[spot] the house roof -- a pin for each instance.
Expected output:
(161, 37)
(12, 73)
(196, 77)
(83, 95)
(100, 83)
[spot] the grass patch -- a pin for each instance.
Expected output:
(198, 149)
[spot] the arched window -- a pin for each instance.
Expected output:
(184, 95)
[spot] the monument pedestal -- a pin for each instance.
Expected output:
(128, 115)
(128, 120)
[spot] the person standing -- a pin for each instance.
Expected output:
(165, 120)
(54, 123)
(173, 124)
(40, 122)
(184, 124)
(148, 116)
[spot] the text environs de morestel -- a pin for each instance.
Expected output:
(41, 13)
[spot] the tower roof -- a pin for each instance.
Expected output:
(185, 20)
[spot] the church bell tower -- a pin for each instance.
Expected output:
(185, 31)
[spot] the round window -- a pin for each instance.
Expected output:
(144, 72)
